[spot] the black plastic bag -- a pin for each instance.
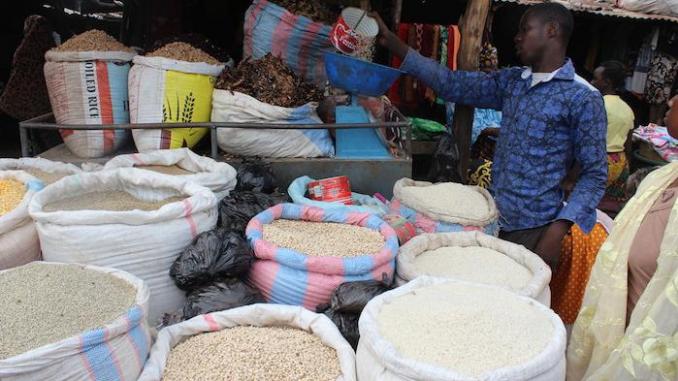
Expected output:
(445, 166)
(214, 254)
(238, 208)
(223, 295)
(257, 177)
(347, 324)
(351, 297)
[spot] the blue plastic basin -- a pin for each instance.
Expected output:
(357, 76)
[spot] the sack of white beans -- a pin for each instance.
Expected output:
(286, 363)
(47, 171)
(216, 176)
(129, 219)
(19, 242)
(445, 207)
(475, 257)
(116, 350)
(304, 253)
(435, 329)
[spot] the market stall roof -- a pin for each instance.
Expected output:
(599, 8)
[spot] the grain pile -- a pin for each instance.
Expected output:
(11, 194)
(465, 328)
(183, 52)
(92, 40)
(473, 264)
(107, 200)
(253, 353)
(323, 239)
(43, 304)
(166, 169)
(47, 177)
(269, 80)
(450, 199)
(313, 9)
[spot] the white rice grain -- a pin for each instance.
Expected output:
(450, 199)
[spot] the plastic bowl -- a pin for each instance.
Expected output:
(357, 76)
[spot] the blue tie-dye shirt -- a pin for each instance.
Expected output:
(545, 128)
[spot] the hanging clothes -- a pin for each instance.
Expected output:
(660, 78)
(645, 55)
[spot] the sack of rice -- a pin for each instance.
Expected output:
(47, 171)
(19, 243)
(475, 257)
(173, 84)
(360, 202)
(87, 83)
(434, 329)
(184, 163)
(257, 342)
(304, 253)
(445, 207)
(129, 219)
(267, 91)
(72, 322)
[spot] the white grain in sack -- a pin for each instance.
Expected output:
(449, 198)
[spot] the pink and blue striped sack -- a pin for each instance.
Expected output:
(115, 352)
(298, 40)
(425, 224)
(285, 276)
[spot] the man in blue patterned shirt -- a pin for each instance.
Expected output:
(551, 118)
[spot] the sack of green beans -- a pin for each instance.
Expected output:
(257, 342)
(19, 242)
(130, 219)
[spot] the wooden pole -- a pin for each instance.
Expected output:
(471, 28)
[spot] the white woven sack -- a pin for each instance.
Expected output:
(89, 88)
(378, 359)
(36, 163)
(19, 242)
(152, 91)
(114, 352)
(657, 7)
(220, 178)
(235, 107)
(537, 288)
(144, 243)
(258, 315)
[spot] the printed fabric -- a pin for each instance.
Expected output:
(663, 70)
(665, 145)
(617, 174)
(545, 128)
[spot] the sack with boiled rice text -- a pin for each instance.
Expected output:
(116, 351)
(228, 106)
(89, 88)
(286, 276)
(19, 243)
(143, 243)
(298, 40)
(216, 176)
(163, 90)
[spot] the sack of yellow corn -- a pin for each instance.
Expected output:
(19, 242)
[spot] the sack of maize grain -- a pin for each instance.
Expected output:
(304, 253)
(475, 257)
(166, 89)
(72, 322)
(47, 171)
(216, 176)
(362, 203)
(87, 84)
(129, 219)
(19, 242)
(448, 330)
(261, 341)
(445, 207)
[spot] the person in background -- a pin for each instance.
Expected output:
(627, 328)
(609, 78)
(550, 118)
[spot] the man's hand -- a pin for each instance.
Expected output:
(388, 39)
(551, 242)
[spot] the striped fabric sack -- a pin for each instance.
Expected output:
(298, 40)
(19, 243)
(143, 243)
(117, 351)
(228, 106)
(430, 222)
(89, 88)
(285, 276)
